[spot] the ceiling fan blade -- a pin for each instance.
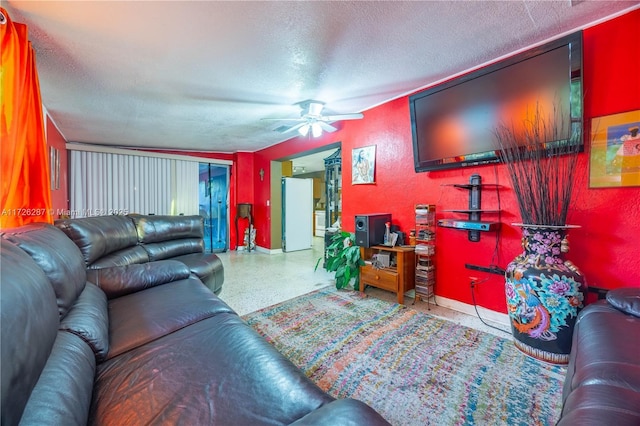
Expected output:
(327, 127)
(340, 117)
(284, 129)
(297, 119)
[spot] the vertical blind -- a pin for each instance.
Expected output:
(104, 183)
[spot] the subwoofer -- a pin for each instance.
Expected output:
(370, 228)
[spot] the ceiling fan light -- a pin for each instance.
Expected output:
(316, 130)
(304, 130)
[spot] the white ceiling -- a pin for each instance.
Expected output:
(201, 75)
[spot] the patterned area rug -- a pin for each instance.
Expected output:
(412, 368)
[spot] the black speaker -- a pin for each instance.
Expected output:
(370, 228)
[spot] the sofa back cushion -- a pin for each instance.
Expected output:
(121, 280)
(625, 299)
(127, 256)
(174, 248)
(99, 236)
(29, 326)
(57, 256)
(153, 229)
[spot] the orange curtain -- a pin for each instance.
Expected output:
(26, 191)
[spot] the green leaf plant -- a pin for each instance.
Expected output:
(343, 258)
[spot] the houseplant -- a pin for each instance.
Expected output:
(544, 291)
(343, 258)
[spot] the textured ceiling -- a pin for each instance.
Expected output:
(202, 75)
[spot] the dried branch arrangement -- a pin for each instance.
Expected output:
(541, 160)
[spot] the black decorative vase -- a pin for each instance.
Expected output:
(544, 294)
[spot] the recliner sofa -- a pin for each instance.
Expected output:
(145, 343)
(602, 385)
(107, 241)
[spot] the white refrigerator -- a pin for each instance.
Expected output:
(297, 214)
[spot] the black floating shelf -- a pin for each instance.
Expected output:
(471, 211)
(473, 225)
(473, 185)
(490, 269)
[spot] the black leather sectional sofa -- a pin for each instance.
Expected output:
(108, 241)
(602, 386)
(109, 331)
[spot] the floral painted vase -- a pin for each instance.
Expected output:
(544, 294)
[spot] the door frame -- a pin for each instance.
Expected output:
(276, 190)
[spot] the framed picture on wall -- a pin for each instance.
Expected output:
(54, 168)
(614, 160)
(363, 165)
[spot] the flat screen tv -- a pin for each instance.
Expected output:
(452, 123)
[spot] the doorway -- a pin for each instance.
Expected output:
(213, 195)
(308, 164)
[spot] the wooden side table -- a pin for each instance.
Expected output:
(398, 278)
(243, 210)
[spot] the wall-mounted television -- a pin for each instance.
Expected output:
(453, 123)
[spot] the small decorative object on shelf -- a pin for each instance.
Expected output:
(425, 249)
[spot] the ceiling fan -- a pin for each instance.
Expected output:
(311, 119)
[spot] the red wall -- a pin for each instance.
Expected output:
(59, 197)
(606, 248)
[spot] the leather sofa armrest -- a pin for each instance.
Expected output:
(344, 412)
(121, 280)
(88, 319)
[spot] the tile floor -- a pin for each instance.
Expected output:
(255, 280)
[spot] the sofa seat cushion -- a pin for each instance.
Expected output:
(217, 371)
(598, 405)
(62, 395)
(88, 319)
(142, 317)
(206, 266)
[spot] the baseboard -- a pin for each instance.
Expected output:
(268, 251)
(465, 308)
